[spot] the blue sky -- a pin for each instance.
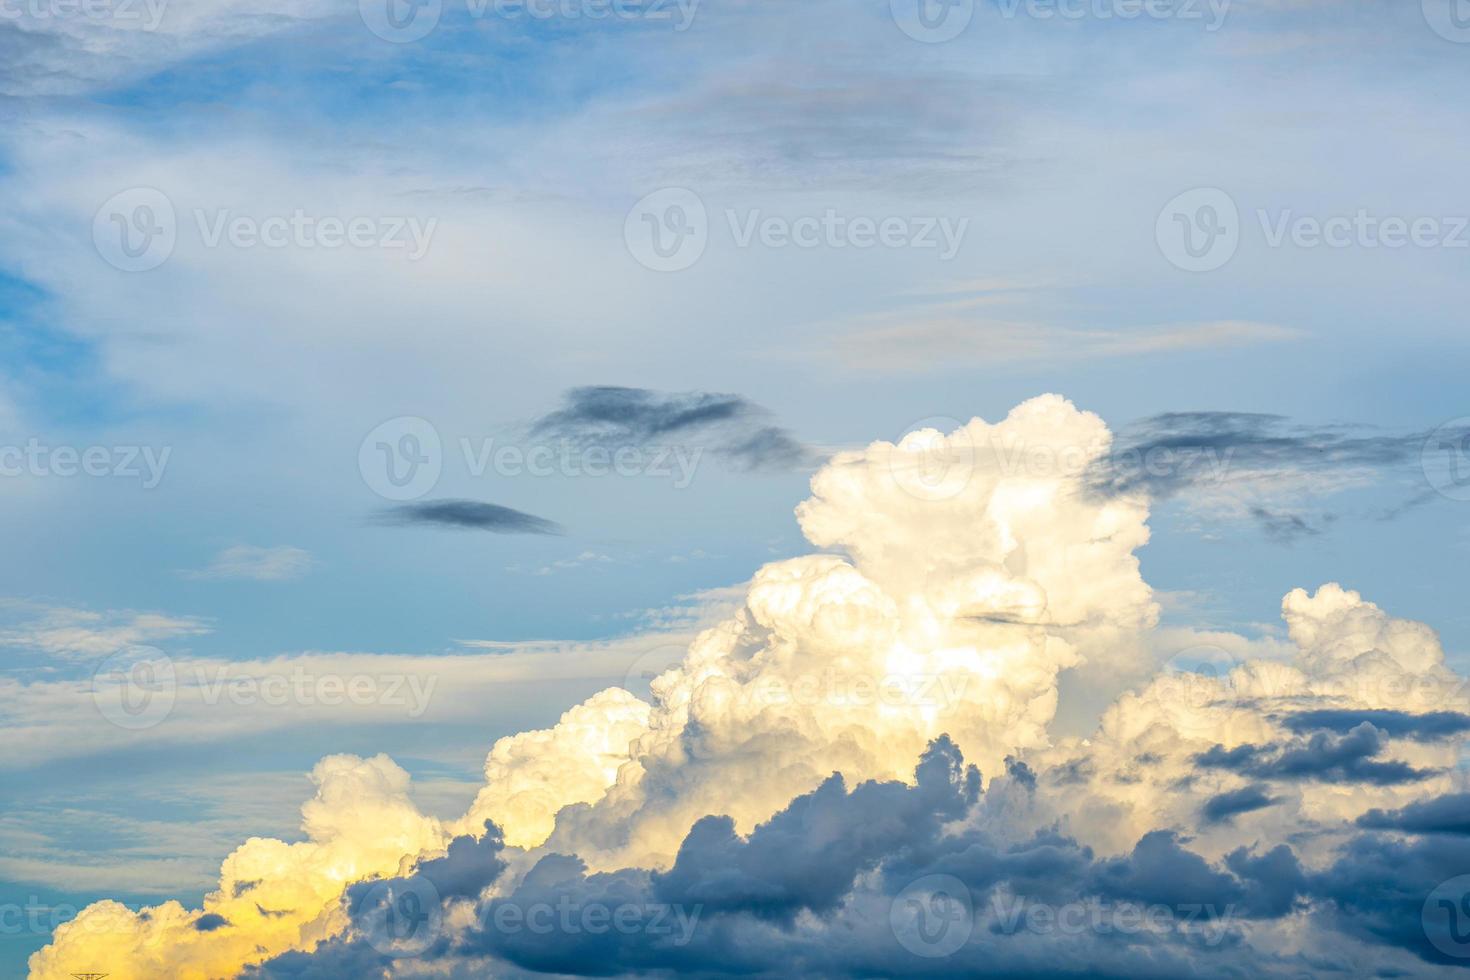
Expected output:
(250, 376)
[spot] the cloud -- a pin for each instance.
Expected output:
(80, 634)
(468, 515)
(1285, 528)
(799, 792)
(728, 425)
(1175, 452)
(250, 563)
(1227, 805)
(1441, 815)
(1426, 727)
(1347, 758)
(934, 335)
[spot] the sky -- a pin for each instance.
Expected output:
(390, 392)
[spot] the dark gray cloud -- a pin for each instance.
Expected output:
(469, 515)
(1323, 757)
(1176, 452)
(1441, 815)
(210, 921)
(1426, 727)
(1226, 806)
(728, 425)
(813, 892)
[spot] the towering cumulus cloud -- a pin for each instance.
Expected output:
(855, 775)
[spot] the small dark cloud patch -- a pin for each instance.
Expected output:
(1324, 757)
(210, 921)
(1441, 815)
(469, 515)
(1285, 528)
(728, 425)
(1224, 807)
(1427, 727)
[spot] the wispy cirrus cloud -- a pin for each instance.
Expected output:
(246, 562)
(84, 634)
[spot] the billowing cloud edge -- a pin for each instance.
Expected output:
(955, 590)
